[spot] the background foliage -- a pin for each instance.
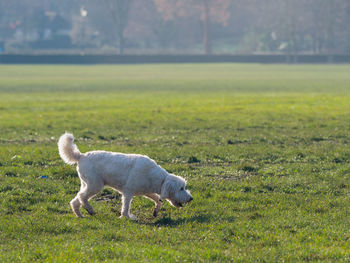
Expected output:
(176, 26)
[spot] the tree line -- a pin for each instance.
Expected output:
(182, 26)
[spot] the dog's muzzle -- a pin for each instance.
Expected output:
(180, 204)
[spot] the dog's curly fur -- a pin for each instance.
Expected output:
(129, 174)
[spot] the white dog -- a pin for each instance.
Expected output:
(129, 174)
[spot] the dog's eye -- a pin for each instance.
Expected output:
(181, 189)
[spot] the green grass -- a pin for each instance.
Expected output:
(265, 150)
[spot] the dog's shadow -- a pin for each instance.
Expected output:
(167, 221)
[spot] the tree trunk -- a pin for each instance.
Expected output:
(291, 31)
(121, 43)
(206, 29)
(120, 10)
(330, 27)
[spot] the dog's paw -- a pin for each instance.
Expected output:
(155, 213)
(133, 217)
(79, 215)
(91, 212)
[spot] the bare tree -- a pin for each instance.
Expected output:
(119, 10)
(208, 11)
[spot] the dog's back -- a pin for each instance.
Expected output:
(118, 169)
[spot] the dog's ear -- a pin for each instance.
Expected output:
(167, 188)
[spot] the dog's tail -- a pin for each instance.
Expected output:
(69, 152)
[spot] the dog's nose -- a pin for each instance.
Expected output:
(191, 198)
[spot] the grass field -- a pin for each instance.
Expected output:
(265, 150)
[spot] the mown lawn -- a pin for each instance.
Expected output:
(265, 150)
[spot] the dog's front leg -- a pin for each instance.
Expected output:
(126, 202)
(157, 202)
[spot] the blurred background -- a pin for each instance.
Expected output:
(175, 26)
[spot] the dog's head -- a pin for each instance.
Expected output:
(174, 191)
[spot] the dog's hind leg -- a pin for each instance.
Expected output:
(75, 204)
(87, 192)
(126, 201)
(157, 201)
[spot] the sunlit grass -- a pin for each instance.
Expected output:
(265, 150)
